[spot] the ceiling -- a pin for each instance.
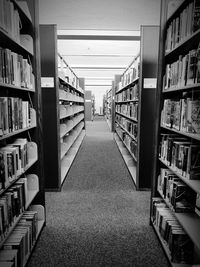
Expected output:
(99, 39)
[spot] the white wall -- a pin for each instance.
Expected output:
(98, 93)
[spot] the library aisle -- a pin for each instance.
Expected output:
(98, 219)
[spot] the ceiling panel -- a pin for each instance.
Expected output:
(99, 32)
(96, 47)
(96, 82)
(98, 60)
(98, 73)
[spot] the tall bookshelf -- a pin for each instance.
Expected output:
(22, 199)
(108, 107)
(89, 106)
(175, 206)
(63, 110)
(135, 107)
(93, 106)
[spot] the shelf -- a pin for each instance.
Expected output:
(176, 11)
(66, 118)
(191, 224)
(9, 42)
(166, 249)
(16, 132)
(65, 146)
(183, 46)
(34, 184)
(126, 86)
(190, 135)
(69, 97)
(67, 160)
(131, 165)
(127, 117)
(194, 184)
(67, 130)
(127, 132)
(33, 161)
(6, 235)
(189, 221)
(40, 225)
(127, 101)
(10, 86)
(25, 18)
(132, 155)
(68, 84)
(181, 88)
(140, 97)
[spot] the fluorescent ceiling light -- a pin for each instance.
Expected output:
(99, 32)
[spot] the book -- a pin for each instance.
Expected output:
(181, 247)
(193, 116)
(192, 67)
(193, 162)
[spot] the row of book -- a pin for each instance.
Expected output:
(129, 126)
(15, 69)
(109, 94)
(131, 93)
(70, 89)
(176, 193)
(12, 204)
(185, 71)
(129, 109)
(130, 74)
(17, 248)
(69, 110)
(182, 114)
(186, 23)
(10, 19)
(128, 141)
(181, 155)
(14, 159)
(66, 73)
(15, 114)
(69, 96)
(180, 245)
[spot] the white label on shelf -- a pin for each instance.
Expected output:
(47, 82)
(150, 82)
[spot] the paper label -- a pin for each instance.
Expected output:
(47, 82)
(150, 82)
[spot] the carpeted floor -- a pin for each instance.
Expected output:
(98, 219)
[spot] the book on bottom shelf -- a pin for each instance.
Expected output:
(181, 247)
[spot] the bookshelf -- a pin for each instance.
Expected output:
(108, 107)
(63, 110)
(22, 198)
(135, 107)
(89, 105)
(93, 106)
(175, 207)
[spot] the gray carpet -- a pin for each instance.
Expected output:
(98, 219)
